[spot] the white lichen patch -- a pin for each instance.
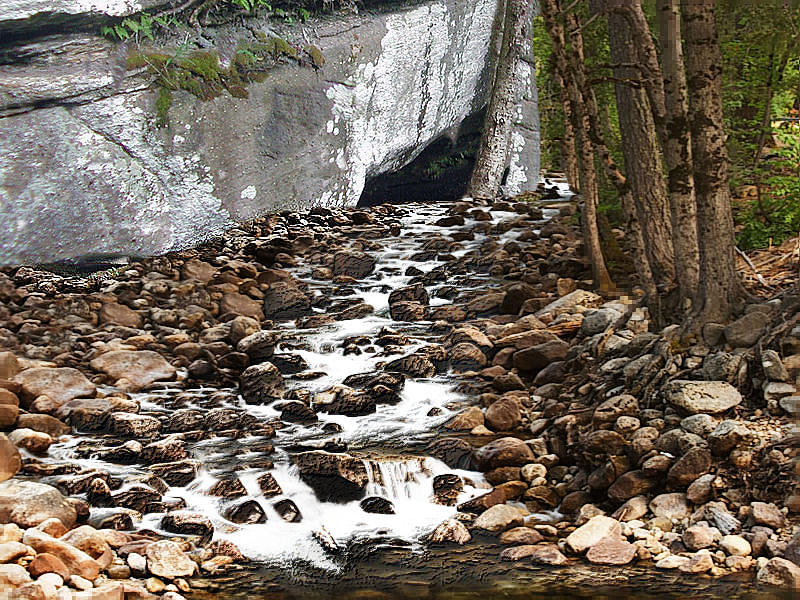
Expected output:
(248, 193)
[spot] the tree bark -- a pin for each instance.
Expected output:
(493, 151)
(641, 152)
(571, 70)
(720, 291)
(677, 149)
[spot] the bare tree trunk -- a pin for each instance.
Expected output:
(641, 151)
(720, 290)
(677, 149)
(569, 70)
(493, 151)
(569, 160)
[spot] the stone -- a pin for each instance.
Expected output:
(701, 425)
(283, 300)
(409, 311)
(698, 536)
(353, 264)
(166, 559)
(76, 561)
(27, 504)
(533, 471)
(13, 575)
(574, 302)
(504, 452)
(591, 532)
(32, 441)
(241, 305)
(261, 384)
(673, 561)
(499, 518)
(700, 562)
(10, 551)
(611, 551)
(248, 512)
(633, 509)
(48, 563)
(187, 523)
(333, 477)
(140, 368)
(111, 312)
(450, 531)
(59, 384)
(670, 506)
(9, 365)
(630, 484)
(548, 554)
(377, 505)
(791, 404)
(689, 467)
(780, 572)
(598, 320)
(466, 357)
(701, 490)
(503, 415)
(728, 435)
(538, 357)
(768, 514)
(466, 420)
(521, 535)
(708, 397)
(10, 460)
(446, 489)
(259, 346)
(745, 331)
(773, 366)
(43, 423)
(735, 545)
(133, 426)
(8, 415)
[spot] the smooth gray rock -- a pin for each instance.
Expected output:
(695, 397)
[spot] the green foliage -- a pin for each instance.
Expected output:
(143, 28)
(252, 5)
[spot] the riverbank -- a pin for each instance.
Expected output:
(311, 388)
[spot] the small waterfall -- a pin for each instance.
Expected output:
(399, 479)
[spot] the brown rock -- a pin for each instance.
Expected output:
(630, 484)
(43, 423)
(548, 554)
(780, 572)
(592, 532)
(503, 415)
(166, 559)
(120, 314)
(9, 365)
(503, 452)
(10, 460)
(76, 561)
(521, 535)
(466, 420)
(27, 504)
(32, 441)
(611, 551)
(768, 514)
(140, 368)
(690, 466)
(538, 357)
(466, 357)
(242, 305)
(48, 563)
(61, 385)
(698, 563)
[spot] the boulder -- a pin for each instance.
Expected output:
(140, 368)
(133, 426)
(611, 551)
(503, 415)
(735, 545)
(258, 346)
(538, 357)
(27, 504)
(728, 435)
(187, 523)
(591, 532)
(768, 514)
(630, 484)
(521, 535)
(261, 384)
(780, 572)
(548, 554)
(466, 357)
(353, 264)
(499, 518)
(670, 506)
(504, 452)
(61, 384)
(709, 397)
(10, 460)
(467, 420)
(450, 531)
(283, 300)
(43, 423)
(577, 301)
(166, 559)
(408, 310)
(699, 536)
(333, 477)
(690, 466)
(32, 441)
(248, 512)
(241, 305)
(112, 312)
(76, 561)
(745, 331)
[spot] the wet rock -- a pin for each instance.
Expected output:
(166, 559)
(698, 563)
(44, 424)
(10, 460)
(288, 511)
(76, 561)
(269, 486)
(28, 504)
(689, 467)
(499, 518)
(409, 311)
(342, 400)
(139, 369)
(261, 384)
(289, 364)
(353, 264)
(591, 532)
(228, 488)
(297, 412)
(446, 489)
(178, 474)
(708, 397)
(248, 512)
(548, 554)
(504, 452)
(283, 300)
(333, 477)
(375, 504)
(132, 425)
(59, 384)
(503, 415)
(521, 535)
(450, 531)
(413, 365)
(411, 293)
(258, 346)
(780, 572)
(466, 357)
(467, 420)
(611, 551)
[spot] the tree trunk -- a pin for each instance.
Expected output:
(677, 149)
(720, 290)
(493, 151)
(569, 160)
(568, 70)
(640, 149)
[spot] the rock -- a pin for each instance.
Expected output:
(353, 264)
(633, 509)
(773, 366)
(700, 425)
(604, 442)
(187, 523)
(261, 384)
(503, 415)
(791, 404)
(13, 575)
(780, 572)
(611, 551)
(166, 559)
(727, 436)
(111, 312)
(409, 311)
(466, 357)
(48, 563)
(446, 489)
(377, 505)
(27, 504)
(450, 531)
(698, 563)
(466, 420)
(333, 477)
(698, 536)
(242, 305)
(10, 551)
(413, 365)
(9, 365)
(140, 368)
(92, 542)
(538, 357)
(504, 452)
(32, 441)
(735, 545)
(774, 391)
(8, 413)
(43, 423)
(630, 484)
(610, 410)
(571, 303)
(60, 385)
(533, 471)
(283, 300)
(269, 486)
(768, 514)
(597, 321)
(673, 561)
(591, 532)
(499, 518)
(76, 561)
(248, 512)
(133, 426)
(709, 397)
(701, 490)
(410, 293)
(288, 511)
(670, 506)
(548, 554)
(516, 296)
(689, 467)
(342, 400)
(454, 452)
(745, 331)
(10, 460)
(258, 346)
(521, 535)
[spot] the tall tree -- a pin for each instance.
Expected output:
(505, 95)
(720, 289)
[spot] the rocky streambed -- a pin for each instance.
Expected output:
(373, 397)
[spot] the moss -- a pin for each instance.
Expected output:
(205, 64)
(163, 103)
(317, 58)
